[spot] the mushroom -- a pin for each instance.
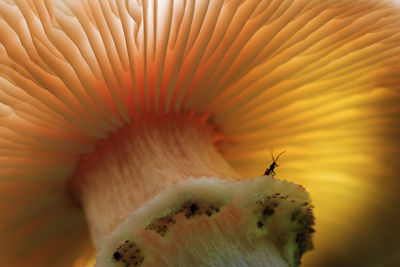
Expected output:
(149, 116)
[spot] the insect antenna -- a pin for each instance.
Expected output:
(279, 155)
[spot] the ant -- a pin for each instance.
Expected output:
(271, 168)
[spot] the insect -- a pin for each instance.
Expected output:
(270, 170)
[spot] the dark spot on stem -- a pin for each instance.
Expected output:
(193, 208)
(117, 256)
(128, 253)
(268, 211)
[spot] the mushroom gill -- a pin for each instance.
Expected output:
(319, 79)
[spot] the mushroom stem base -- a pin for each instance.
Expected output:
(213, 222)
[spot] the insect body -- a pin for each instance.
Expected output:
(270, 170)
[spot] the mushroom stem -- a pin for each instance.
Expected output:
(139, 162)
(159, 193)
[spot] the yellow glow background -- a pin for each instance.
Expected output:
(344, 147)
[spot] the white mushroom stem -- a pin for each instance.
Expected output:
(159, 186)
